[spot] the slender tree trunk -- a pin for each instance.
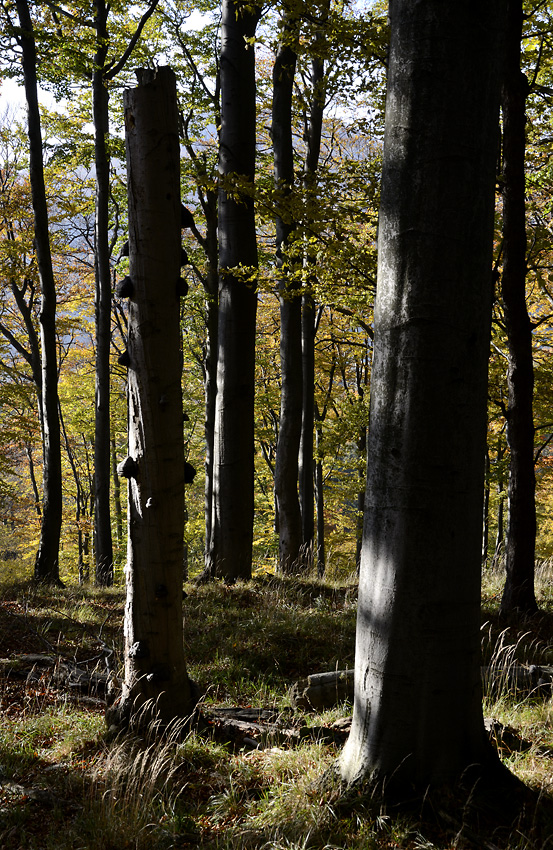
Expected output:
(362, 379)
(287, 454)
(306, 462)
(155, 668)
(233, 477)
(320, 559)
(419, 590)
(102, 457)
(46, 564)
(362, 452)
(486, 511)
(32, 476)
(500, 536)
(116, 495)
(210, 361)
(518, 594)
(306, 459)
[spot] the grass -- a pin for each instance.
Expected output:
(62, 785)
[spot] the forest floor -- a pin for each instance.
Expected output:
(253, 784)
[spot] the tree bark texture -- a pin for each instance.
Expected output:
(154, 657)
(287, 453)
(320, 558)
(306, 462)
(233, 473)
(306, 459)
(47, 563)
(419, 593)
(102, 459)
(518, 594)
(116, 493)
(210, 360)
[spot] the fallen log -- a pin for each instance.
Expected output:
(254, 728)
(61, 672)
(320, 691)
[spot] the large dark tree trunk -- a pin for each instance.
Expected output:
(154, 657)
(233, 474)
(518, 594)
(287, 454)
(102, 459)
(419, 592)
(46, 564)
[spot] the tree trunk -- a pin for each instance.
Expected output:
(419, 591)
(210, 362)
(306, 463)
(32, 476)
(306, 459)
(486, 511)
(233, 475)
(362, 452)
(518, 594)
(102, 456)
(154, 657)
(362, 380)
(500, 535)
(46, 564)
(116, 494)
(287, 453)
(320, 559)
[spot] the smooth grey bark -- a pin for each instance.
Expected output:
(289, 436)
(233, 472)
(155, 667)
(419, 591)
(518, 594)
(46, 564)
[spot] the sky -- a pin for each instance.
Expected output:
(12, 97)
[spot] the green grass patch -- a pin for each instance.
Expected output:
(246, 645)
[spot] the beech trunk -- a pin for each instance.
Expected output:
(102, 455)
(419, 593)
(518, 594)
(47, 563)
(233, 470)
(287, 453)
(306, 461)
(156, 680)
